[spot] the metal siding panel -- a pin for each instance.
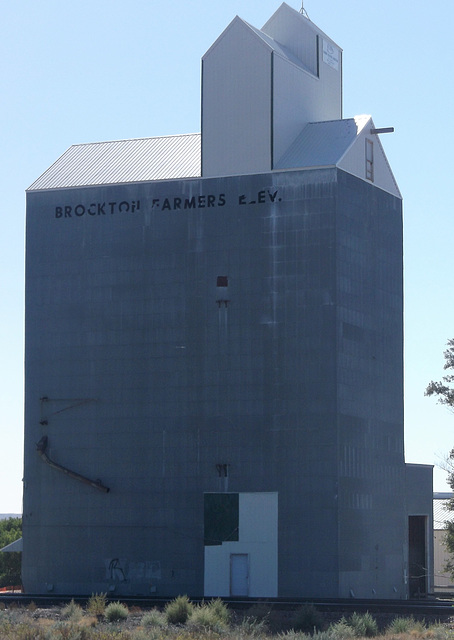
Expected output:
(292, 109)
(294, 31)
(354, 160)
(236, 104)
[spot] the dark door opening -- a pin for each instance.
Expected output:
(417, 555)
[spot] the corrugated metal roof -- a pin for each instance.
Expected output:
(322, 143)
(13, 546)
(441, 514)
(138, 160)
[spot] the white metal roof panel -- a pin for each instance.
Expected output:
(280, 49)
(122, 161)
(322, 143)
(441, 513)
(282, 17)
(13, 546)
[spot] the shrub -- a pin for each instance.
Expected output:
(203, 616)
(116, 611)
(341, 630)
(307, 619)
(322, 635)
(220, 611)
(64, 631)
(153, 618)
(250, 626)
(96, 605)
(178, 611)
(363, 625)
(213, 615)
(260, 611)
(72, 611)
(293, 635)
(401, 625)
(10, 563)
(438, 632)
(141, 634)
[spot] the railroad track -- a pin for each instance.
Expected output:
(441, 608)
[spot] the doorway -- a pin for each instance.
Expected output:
(417, 555)
(239, 574)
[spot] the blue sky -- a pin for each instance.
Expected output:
(105, 70)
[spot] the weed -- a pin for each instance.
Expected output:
(363, 624)
(438, 632)
(401, 625)
(116, 611)
(308, 619)
(149, 634)
(178, 611)
(96, 605)
(293, 635)
(341, 630)
(72, 611)
(213, 615)
(251, 626)
(220, 611)
(202, 618)
(154, 618)
(66, 631)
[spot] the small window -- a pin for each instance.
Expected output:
(222, 281)
(369, 160)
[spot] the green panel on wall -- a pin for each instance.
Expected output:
(221, 518)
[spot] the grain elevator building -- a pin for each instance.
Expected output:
(214, 377)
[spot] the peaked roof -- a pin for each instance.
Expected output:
(286, 12)
(137, 160)
(322, 143)
(261, 37)
(441, 514)
(336, 143)
(13, 546)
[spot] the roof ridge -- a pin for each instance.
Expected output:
(338, 119)
(173, 135)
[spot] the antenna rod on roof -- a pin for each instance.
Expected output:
(303, 10)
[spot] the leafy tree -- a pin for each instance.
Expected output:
(445, 392)
(442, 389)
(10, 563)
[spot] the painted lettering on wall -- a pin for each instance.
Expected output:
(174, 203)
(96, 209)
(261, 197)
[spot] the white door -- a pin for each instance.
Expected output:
(239, 574)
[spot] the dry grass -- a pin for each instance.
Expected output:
(57, 623)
